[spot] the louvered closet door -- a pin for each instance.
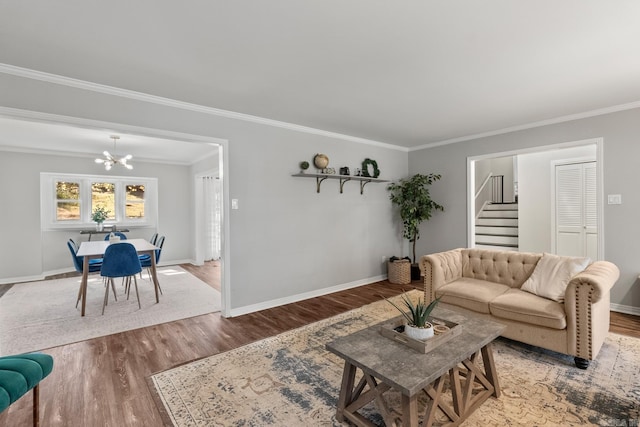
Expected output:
(576, 213)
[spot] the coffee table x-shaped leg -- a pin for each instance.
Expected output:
(470, 384)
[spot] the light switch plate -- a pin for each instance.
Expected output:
(614, 199)
(234, 203)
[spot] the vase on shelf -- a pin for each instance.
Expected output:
(99, 226)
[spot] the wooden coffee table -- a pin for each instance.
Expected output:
(387, 364)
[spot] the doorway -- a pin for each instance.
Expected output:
(533, 186)
(208, 209)
(75, 128)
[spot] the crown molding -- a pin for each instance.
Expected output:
(68, 154)
(16, 113)
(37, 116)
(556, 120)
(140, 96)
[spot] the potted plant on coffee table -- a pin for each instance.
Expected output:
(418, 326)
(412, 196)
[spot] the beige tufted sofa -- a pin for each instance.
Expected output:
(487, 283)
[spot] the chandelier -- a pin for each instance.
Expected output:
(111, 159)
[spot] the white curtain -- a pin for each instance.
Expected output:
(212, 197)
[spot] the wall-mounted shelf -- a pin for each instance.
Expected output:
(320, 177)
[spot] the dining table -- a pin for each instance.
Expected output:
(96, 249)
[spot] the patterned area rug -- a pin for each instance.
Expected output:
(39, 315)
(290, 379)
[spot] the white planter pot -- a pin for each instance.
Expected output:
(419, 333)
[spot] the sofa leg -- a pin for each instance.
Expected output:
(36, 406)
(581, 363)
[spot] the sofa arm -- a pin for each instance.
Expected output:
(587, 304)
(599, 276)
(439, 269)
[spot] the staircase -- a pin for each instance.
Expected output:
(497, 227)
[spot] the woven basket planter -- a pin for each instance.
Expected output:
(399, 272)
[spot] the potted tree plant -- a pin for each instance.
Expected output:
(99, 215)
(417, 317)
(413, 198)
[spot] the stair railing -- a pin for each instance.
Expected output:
(497, 189)
(483, 195)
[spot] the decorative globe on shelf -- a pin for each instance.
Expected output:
(321, 161)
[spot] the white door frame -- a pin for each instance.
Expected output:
(598, 142)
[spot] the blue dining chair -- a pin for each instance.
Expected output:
(122, 236)
(120, 260)
(153, 239)
(145, 260)
(78, 261)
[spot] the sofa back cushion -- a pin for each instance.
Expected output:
(506, 267)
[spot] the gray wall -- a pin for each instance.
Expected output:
(621, 152)
(285, 239)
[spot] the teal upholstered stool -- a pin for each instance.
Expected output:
(21, 373)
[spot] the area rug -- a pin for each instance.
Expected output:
(290, 379)
(39, 315)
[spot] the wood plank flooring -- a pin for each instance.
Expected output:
(102, 382)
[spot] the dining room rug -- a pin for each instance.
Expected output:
(290, 379)
(40, 315)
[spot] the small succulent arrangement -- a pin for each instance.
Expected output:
(304, 165)
(100, 214)
(418, 313)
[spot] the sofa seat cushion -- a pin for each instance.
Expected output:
(472, 294)
(525, 307)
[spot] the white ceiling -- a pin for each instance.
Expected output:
(409, 73)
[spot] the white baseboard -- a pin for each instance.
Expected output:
(299, 297)
(626, 309)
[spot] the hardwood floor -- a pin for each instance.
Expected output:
(625, 324)
(102, 382)
(209, 272)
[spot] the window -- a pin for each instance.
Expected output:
(134, 203)
(69, 200)
(103, 194)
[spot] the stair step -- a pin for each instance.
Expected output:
(497, 230)
(493, 239)
(499, 214)
(500, 222)
(497, 247)
(501, 207)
